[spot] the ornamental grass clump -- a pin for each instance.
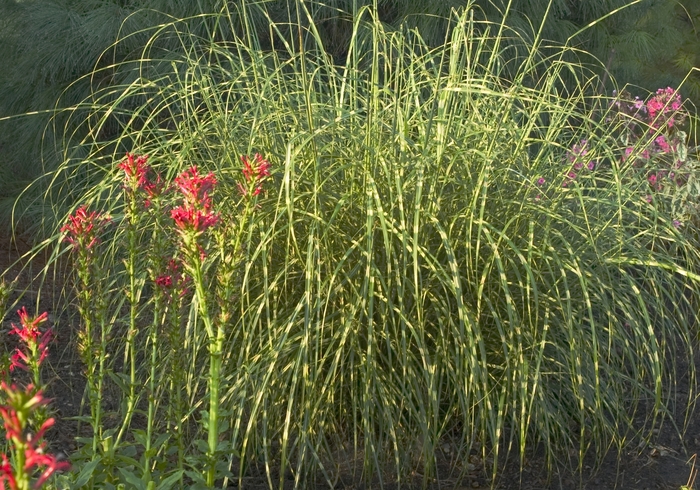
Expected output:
(438, 256)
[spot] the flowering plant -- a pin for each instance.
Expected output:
(22, 408)
(655, 148)
(28, 450)
(34, 348)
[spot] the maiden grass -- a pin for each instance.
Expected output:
(407, 278)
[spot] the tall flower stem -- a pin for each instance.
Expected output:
(82, 232)
(216, 342)
(192, 218)
(176, 380)
(159, 318)
(132, 294)
(150, 421)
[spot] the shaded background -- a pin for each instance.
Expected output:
(48, 49)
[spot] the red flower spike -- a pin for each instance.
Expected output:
(30, 327)
(82, 228)
(15, 413)
(254, 174)
(194, 188)
(164, 281)
(7, 474)
(35, 342)
(193, 219)
(195, 214)
(135, 170)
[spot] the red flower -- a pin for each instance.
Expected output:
(135, 170)
(15, 413)
(195, 214)
(259, 170)
(152, 189)
(83, 227)
(187, 218)
(195, 188)
(7, 473)
(30, 327)
(254, 174)
(35, 342)
(164, 281)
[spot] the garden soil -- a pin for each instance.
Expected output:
(666, 462)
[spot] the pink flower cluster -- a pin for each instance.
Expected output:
(35, 348)
(576, 157)
(254, 174)
(15, 414)
(664, 108)
(136, 170)
(195, 213)
(650, 131)
(83, 228)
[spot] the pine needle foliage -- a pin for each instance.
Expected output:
(409, 279)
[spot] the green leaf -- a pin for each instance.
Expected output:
(87, 471)
(132, 479)
(170, 480)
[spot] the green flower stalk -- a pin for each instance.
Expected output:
(192, 219)
(82, 232)
(171, 287)
(140, 194)
(135, 181)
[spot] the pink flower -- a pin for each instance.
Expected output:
(591, 165)
(577, 153)
(665, 107)
(676, 224)
(648, 198)
(628, 152)
(135, 170)
(662, 144)
(83, 227)
(541, 181)
(194, 188)
(652, 179)
(254, 174)
(191, 219)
